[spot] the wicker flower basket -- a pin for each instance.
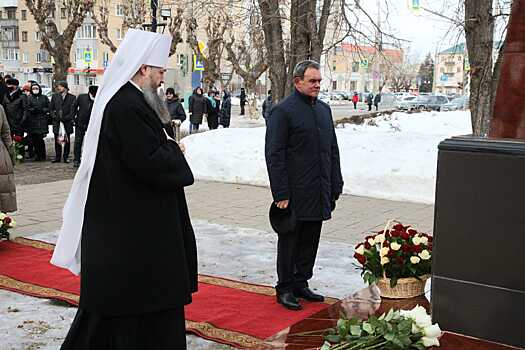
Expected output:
(404, 289)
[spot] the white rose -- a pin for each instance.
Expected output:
(395, 246)
(424, 240)
(384, 251)
(13, 224)
(380, 238)
(371, 241)
(360, 250)
(432, 331)
(428, 342)
(415, 260)
(2, 216)
(384, 260)
(416, 240)
(425, 255)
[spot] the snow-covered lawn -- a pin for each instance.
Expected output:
(232, 252)
(395, 158)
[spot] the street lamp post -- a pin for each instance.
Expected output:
(154, 6)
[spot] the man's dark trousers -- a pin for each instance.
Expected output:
(79, 139)
(58, 148)
(296, 254)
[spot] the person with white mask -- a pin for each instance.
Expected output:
(126, 227)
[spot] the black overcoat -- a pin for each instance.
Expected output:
(138, 247)
(302, 156)
(62, 111)
(82, 111)
(35, 114)
(14, 109)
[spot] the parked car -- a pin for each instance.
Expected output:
(426, 103)
(435, 103)
(456, 104)
(405, 102)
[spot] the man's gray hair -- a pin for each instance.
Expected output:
(301, 67)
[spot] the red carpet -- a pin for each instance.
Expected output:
(226, 311)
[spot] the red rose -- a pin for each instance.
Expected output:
(386, 244)
(367, 245)
(406, 248)
(17, 138)
(429, 246)
(395, 233)
(400, 260)
(430, 238)
(405, 236)
(417, 249)
(368, 237)
(387, 234)
(391, 253)
(399, 227)
(360, 258)
(7, 220)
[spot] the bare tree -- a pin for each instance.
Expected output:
(249, 61)
(216, 25)
(57, 43)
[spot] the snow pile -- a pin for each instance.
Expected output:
(393, 159)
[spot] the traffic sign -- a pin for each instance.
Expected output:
(364, 63)
(88, 56)
(198, 65)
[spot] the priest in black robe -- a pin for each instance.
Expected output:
(138, 261)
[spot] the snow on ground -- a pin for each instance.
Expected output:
(393, 158)
(226, 251)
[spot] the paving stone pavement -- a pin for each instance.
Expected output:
(232, 204)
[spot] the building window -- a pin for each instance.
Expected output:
(24, 15)
(119, 10)
(11, 13)
(10, 34)
(76, 79)
(87, 31)
(1, 15)
(38, 36)
(25, 58)
(52, 14)
(24, 36)
(63, 13)
(459, 69)
(119, 34)
(10, 54)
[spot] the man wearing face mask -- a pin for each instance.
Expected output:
(62, 113)
(82, 112)
(35, 119)
(14, 102)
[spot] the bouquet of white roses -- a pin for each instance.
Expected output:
(6, 223)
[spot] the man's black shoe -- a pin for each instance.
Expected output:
(66, 161)
(289, 301)
(55, 161)
(76, 163)
(307, 294)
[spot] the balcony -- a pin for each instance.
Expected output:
(10, 44)
(8, 3)
(4, 22)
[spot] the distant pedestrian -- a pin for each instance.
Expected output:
(370, 101)
(175, 108)
(242, 100)
(13, 103)
(226, 110)
(35, 119)
(82, 113)
(7, 176)
(198, 109)
(377, 99)
(355, 99)
(213, 107)
(62, 112)
(267, 107)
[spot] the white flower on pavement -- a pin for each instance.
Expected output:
(395, 246)
(415, 260)
(371, 241)
(380, 238)
(416, 240)
(384, 251)
(424, 240)
(360, 249)
(384, 260)
(428, 342)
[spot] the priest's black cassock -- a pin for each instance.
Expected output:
(139, 256)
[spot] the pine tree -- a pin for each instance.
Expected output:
(426, 74)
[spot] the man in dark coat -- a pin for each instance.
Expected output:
(14, 102)
(370, 101)
(62, 112)
(303, 164)
(139, 258)
(35, 119)
(267, 106)
(198, 108)
(242, 101)
(82, 112)
(377, 100)
(226, 110)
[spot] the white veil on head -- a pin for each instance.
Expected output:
(138, 47)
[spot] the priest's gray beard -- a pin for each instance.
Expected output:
(156, 103)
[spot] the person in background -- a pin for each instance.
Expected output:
(3, 87)
(82, 113)
(377, 99)
(62, 112)
(226, 110)
(355, 99)
(267, 106)
(369, 101)
(175, 108)
(35, 118)
(242, 100)
(7, 176)
(213, 107)
(198, 109)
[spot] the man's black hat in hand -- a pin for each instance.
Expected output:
(283, 221)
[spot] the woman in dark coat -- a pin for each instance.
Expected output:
(198, 108)
(175, 108)
(226, 110)
(35, 118)
(214, 109)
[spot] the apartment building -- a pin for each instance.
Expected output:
(350, 67)
(450, 70)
